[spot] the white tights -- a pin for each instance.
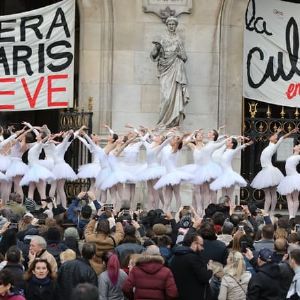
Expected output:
(293, 203)
(270, 199)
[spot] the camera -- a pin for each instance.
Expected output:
(186, 221)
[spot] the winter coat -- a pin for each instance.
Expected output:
(150, 280)
(123, 250)
(17, 271)
(233, 289)
(103, 242)
(265, 284)
(36, 289)
(73, 272)
(12, 297)
(108, 291)
(191, 274)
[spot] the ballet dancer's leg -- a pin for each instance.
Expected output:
(274, 199)
(132, 192)
(53, 188)
(229, 192)
(159, 194)
(126, 192)
(17, 188)
(295, 198)
(5, 190)
(176, 190)
(61, 192)
(41, 187)
(92, 185)
(31, 189)
(103, 196)
(268, 200)
(168, 197)
(151, 201)
(290, 204)
(120, 190)
(206, 194)
(113, 195)
(197, 200)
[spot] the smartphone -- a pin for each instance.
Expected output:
(108, 206)
(13, 225)
(297, 227)
(244, 246)
(186, 207)
(241, 227)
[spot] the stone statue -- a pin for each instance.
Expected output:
(170, 57)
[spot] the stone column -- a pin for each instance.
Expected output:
(96, 59)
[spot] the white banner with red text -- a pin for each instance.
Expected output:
(271, 52)
(37, 58)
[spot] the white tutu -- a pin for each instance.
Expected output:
(173, 178)
(132, 170)
(116, 176)
(4, 162)
(228, 179)
(90, 170)
(206, 173)
(268, 177)
(47, 163)
(289, 184)
(3, 177)
(63, 170)
(102, 175)
(16, 168)
(153, 171)
(36, 173)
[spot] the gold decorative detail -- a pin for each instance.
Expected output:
(90, 104)
(260, 127)
(253, 109)
(282, 113)
(275, 127)
(289, 127)
(296, 113)
(269, 113)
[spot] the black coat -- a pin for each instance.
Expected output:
(35, 291)
(72, 273)
(265, 284)
(17, 272)
(191, 274)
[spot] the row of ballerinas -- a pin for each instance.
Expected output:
(116, 168)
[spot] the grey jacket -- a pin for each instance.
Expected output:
(107, 291)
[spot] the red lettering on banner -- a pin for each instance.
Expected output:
(52, 90)
(32, 100)
(293, 90)
(7, 93)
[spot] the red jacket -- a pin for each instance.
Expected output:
(150, 280)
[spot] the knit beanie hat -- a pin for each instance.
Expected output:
(30, 204)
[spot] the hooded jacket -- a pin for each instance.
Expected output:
(150, 280)
(265, 284)
(191, 274)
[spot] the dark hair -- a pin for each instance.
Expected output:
(234, 143)
(9, 238)
(88, 250)
(103, 227)
(85, 291)
(189, 238)
(13, 254)
(218, 218)
(227, 228)
(115, 137)
(86, 211)
(207, 231)
(216, 134)
(268, 231)
(28, 275)
(295, 255)
(53, 234)
(15, 197)
(6, 277)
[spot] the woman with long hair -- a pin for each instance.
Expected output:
(111, 280)
(7, 290)
(235, 280)
(40, 283)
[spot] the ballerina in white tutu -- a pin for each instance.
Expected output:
(62, 170)
(153, 169)
(228, 179)
(117, 174)
(37, 175)
(289, 186)
(174, 175)
(90, 170)
(269, 177)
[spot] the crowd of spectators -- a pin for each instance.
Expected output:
(90, 251)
